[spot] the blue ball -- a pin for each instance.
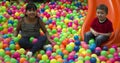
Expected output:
(76, 48)
(97, 52)
(92, 47)
(7, 49)
(75, 56)
(76, 37)
(77, 42)
(93, 60)
(105, 48)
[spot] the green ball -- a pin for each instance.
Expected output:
(74, 31)
(60, 3)
(32, 60)
(103, 53)
(41, 61)
(81, 22)
(91, 41)
(42, 52)
(12, 51)
(56, 39)
(7, 59)
(54, 31)
(58, 51)
(1, 28)
(12, 46)
(69, 48)
(13, 60)
(15, 24)
(80, 58)
(54, 54)
(70, 29)
(110, 56)
(22, 15)
(112, 50)
(46, 7)
(2, 53)
(89, 51)
(16, 39)
(44, 20)
(31, 39)
(87, 58)
(65, 56)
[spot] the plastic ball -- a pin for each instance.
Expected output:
(32, 60)
(104, 53)
(69, 48)
(42, 52)
(21, 51)
(12, 46)
(48, 53)
(16, 55)
(31, 39)
(13, 60)
(110, 56)
(44, 57)
(93, 60)
(112, 50)
(91, 41)
(35, 40)
(102, 58)
(22, 60)
(76, 48)
(53, 61)
(77, 42)
(16, 39)
(105, 48)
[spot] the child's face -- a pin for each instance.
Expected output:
(101, 14)
(31, 13)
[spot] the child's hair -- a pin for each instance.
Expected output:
(103, 7)
(30, 6)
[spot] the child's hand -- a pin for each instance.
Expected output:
(29, 54)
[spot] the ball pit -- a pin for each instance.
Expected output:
(63, 20)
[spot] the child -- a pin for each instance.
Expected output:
(30, 26)
(101, 27)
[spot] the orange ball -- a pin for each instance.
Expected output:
(117, 61)
(39, 56)
(50, 26)
(60, 60)
(65, 42)
(5, 45)
(22, 60)
(5, 31)
(65, 52)
(17, 46)
(7, 62)
(58, 56)
(8, 53)
(108, 61)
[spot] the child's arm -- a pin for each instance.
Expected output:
(97, 33)
(94, 32)
(17, 28)
(42, 25)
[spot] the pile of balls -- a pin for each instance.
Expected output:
(63, 22)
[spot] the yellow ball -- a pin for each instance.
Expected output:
(94, 55)
(56, 47)
(17, 14)
(72, 44)
(44, 57)
(22, 51)
(19, 36)
(53, 61)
